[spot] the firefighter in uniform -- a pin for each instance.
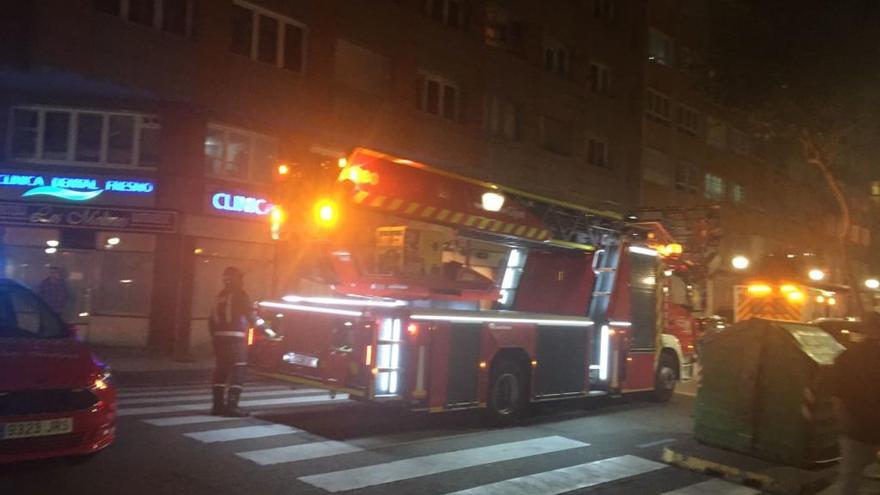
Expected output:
(229, 323)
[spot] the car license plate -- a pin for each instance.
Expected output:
(25, 429)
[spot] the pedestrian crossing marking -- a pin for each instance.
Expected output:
(142, 411)
(297, 453)
(405, 469)
(714, 487)
(571, 478)
(187, 420)
(206, 397)
(242, 433)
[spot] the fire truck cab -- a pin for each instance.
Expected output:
(439, 292)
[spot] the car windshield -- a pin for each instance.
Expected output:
(24, 315)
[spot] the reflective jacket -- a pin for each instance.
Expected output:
(232, 314)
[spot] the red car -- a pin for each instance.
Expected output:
(56, 398)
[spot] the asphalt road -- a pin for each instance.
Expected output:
(303, 442)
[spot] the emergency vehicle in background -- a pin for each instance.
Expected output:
(440, 292)
(788, 300)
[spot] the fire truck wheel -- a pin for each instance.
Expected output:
(507, 393)
(664, 382)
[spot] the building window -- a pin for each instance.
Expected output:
(503, 118)
(237, 154)
(171, 16)
(63, 135)
(688, 120)
(556, 135)
(265, 36)
(597, 152)
(557, 59)
(736, 193)
(659, 48)
(501, 29)
(447, 12)
(713, 187)
(716, 133)
(600, 78)
(686, 178)
(657, 106)
(739, 142)
(604, 10)
(438, 96)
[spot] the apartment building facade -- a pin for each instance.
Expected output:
(138, 137)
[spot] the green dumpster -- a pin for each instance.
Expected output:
(758, 379)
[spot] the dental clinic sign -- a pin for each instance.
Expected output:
(67, 188)
(242, 204)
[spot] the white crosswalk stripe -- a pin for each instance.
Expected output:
(205, 397)
(714, 487)
(241, 433)
(143, 411)
(297, 453)
(568, 479)
(188, 420)
(405, 469)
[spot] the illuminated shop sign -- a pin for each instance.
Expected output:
(73, 188)
(238, 203)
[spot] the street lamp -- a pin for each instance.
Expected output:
(816, 274)
(872, 283)
(739, 262)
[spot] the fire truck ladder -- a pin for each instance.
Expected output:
(605, 263)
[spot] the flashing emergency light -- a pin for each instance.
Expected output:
(759, 289)
(671, 249)
(787, 288)
(283, 169)
(326, 213)
(358, 175)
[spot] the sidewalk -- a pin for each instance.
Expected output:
(139, 366)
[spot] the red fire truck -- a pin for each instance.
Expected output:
(441, 292)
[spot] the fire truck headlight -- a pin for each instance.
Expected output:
(796, 296)
(759, 289)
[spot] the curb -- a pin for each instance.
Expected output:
(759, 481)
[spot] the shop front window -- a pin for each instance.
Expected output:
(125, 283)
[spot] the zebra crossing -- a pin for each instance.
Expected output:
(335, 466)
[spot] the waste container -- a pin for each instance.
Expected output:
(758, 378)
